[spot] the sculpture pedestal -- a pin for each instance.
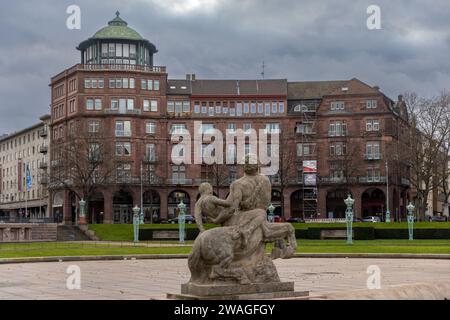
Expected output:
(271, 290)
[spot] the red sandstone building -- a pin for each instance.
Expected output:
(117, 95)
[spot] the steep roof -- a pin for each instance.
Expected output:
(239, 87)
(117, 28)
(319, 89)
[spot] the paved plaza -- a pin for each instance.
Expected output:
(152, 279)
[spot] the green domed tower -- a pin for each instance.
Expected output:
(117, 43)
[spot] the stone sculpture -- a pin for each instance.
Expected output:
(234, 254)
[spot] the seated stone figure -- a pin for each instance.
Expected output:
(211, 207)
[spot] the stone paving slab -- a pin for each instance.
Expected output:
(153, 279)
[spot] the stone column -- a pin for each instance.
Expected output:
(357, 206)
(67, 208)
(322, 202)
(287, 204)
(108, 207)
(163, 204)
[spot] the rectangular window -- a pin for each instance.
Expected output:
(146, 105)
(239, 109)
(156, 85)
(130, 104)
(178, 128)
(123, 128)
(150, 128)
(119, 83)
(150, 152)
(371, 104)
(101, 83)
(170, 106)
(178, 107)
(246, 107)
(218, 108)
(231, 127)
(112, 83)
(93, 126)
(132, 85)
(149, 84)
(267, 111)
(89, 104)
(196, 107)
(274, 107)
(273, 127)
(337, 105)
(247, 128)
(144, 84)
(123, 149)
(211, 111)
(281, 107)
(125, 83)
(154, 106)
(186, 106)
(98, 104)
(114, 104)
(232, 112)
(203, 107)
(87, 83)
(253, 107)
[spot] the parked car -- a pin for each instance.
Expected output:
(357, 220)
(188, 219)
(371, 219)
(295, 220)
(438, 219)
(278, 219)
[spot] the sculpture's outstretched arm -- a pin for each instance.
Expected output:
(198, 216)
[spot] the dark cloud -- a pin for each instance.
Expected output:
(298, 40)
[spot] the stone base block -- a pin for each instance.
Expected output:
(271, 290)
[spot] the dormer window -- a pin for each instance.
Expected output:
(337, 105)
(371, 104)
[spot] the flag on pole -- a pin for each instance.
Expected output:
(28, 177)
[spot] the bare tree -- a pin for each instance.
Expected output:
(82, 162)
(429, 134)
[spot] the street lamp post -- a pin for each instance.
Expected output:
(349, 218)
(271, 209)
(136, 222)
(141, 217)
(181, 218)
(388, 213)
(82, 211)
(410, 207)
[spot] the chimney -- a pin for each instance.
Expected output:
(188, 76)
(193, 77)
(377, 88)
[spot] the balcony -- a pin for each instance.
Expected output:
(56, 163)
(44, 180)
(121, 67)
(117, 111)
(43, 149)
(43, 165)
(372, 156)
(372, 179)
(43, 133)
(179, 181)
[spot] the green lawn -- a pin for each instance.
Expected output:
(124, 232)
(304, 246)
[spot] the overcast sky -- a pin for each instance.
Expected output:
(298, 40)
